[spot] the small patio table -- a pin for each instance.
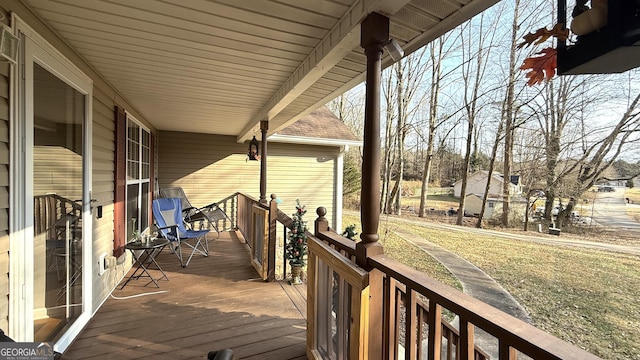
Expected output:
(144, 255)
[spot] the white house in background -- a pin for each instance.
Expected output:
(473, 205)
(477, 183)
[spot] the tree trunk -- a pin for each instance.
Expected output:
(401, 98)
(388, 154)
(509, 121)
(433, 114)
(494, 152)
(467, 160)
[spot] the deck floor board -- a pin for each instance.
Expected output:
(216, 302)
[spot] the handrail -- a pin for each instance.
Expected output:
(513, 334)
(284, 219)
(338, 241)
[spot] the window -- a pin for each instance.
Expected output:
(490, 204)
(138, 177)
(133, 174)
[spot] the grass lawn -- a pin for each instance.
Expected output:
(587, 297)
(437, 198)
(408, 254)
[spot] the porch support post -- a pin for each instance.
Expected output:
(374, 35)
(271, 254)
(264, 126)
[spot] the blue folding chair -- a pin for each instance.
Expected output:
(167, 213)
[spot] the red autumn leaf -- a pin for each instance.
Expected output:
(541, 35)
(541, 66)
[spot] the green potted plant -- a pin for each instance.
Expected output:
(297, 243)
(350, 232)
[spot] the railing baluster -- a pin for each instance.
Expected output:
(389, 336)
(467, 339)
(507, 352)
(421, 312)
(410, 325)
(398, 305)
(313, 311)
(451, 341)
(342, 323)
(376, 318)
(435, 330)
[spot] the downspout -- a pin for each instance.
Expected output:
(339, 189)
(264, 126)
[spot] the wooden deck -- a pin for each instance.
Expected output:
(216, 302)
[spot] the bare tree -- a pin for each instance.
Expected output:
(388, 155)
(435, 53)
(599, 155)
(406, 80)
(579, 148)
(472, 76)
(509, 107)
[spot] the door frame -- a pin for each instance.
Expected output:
(34, 48)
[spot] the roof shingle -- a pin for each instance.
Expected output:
(320, 123)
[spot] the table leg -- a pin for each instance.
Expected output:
(139, 263)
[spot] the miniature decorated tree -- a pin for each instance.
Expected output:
(297, 243)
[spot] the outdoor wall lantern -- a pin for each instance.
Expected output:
(253, 149)
(394, 49)
(8, 45)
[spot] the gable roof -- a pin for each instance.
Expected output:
(495, 175)
(320, 127)
(483, 174)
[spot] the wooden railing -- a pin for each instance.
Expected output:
(243, 215)
(384, 309)
(52, 212)
(258, 224)
(230, 207)
(403, 312)
(337, 305)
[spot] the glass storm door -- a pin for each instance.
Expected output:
(56, 104)
(57, 191)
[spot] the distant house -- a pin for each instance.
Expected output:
(477, 183)
(473, 205)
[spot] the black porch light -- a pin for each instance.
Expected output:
(253, 149)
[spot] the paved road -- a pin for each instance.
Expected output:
(542, 239)
(609, 211)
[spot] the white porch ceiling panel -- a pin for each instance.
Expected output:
(222, 66)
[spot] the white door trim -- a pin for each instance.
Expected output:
(34, 48)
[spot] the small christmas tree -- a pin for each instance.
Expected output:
(297, 239)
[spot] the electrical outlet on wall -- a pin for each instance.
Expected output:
(110, 262)
(102, 264)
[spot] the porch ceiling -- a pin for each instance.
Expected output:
(221, 66)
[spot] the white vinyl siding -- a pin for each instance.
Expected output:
(212, 167)
(103, 155)
(4, 195)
